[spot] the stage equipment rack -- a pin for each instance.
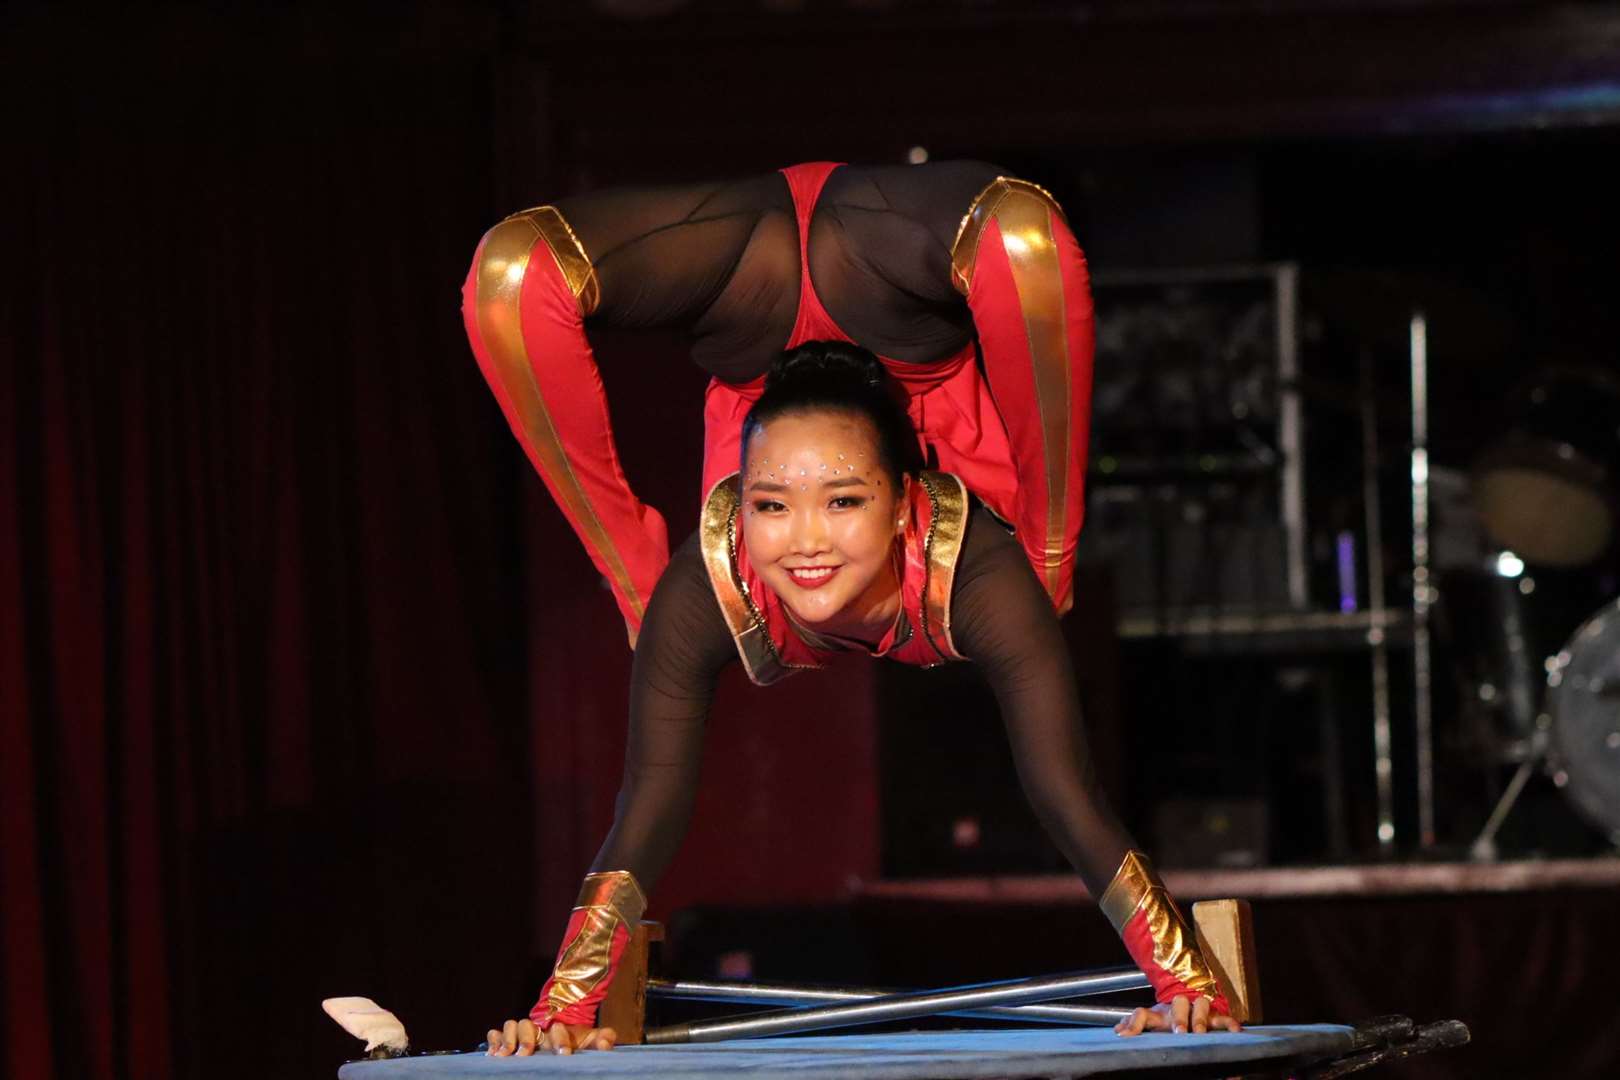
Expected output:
(1212, 355)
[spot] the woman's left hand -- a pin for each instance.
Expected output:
(1181, 1015)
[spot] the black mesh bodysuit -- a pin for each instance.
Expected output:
(723, 260)
(1001, 620)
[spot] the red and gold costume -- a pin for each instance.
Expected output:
(1016, 434)
(972, 291)
(966, 594)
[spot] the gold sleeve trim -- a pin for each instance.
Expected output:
(576, 266)
(947, 524)
(1137, 888)
(503, 263)
(609, 900)
(1024, 214)
(717, 539)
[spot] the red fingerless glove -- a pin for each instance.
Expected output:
(610, 904)
(1157, 937)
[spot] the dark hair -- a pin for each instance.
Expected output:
(838, 377)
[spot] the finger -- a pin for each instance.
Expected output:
(562, 1039)
(526, 1035)
(1200, 1014)
(1178, 1014)
(1225, 1023)
(509, 1036)
(605, 1038)
(492, 1040)
(1134, 1023)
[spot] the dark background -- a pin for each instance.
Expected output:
(306, 687)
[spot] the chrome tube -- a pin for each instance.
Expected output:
(1423, 591)
(744, 993)
(1377, 636)
(900, 1007)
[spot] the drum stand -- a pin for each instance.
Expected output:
(1483, 849)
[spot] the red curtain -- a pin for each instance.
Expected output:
(262, 670)
(306, 688)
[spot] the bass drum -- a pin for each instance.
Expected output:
(1496, 648)
(1583, 699)
(1549, 490)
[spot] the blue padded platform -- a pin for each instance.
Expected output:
(1038, 1052)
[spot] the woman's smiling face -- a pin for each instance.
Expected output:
(820, 519)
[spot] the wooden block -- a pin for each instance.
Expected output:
(625, 1007)
(1225, 932)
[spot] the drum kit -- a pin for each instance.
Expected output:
(1546, 496)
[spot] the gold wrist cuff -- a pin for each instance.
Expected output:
(609, 900)
(1136, 888)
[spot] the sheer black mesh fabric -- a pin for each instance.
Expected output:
(1001, 618)
(722, 260)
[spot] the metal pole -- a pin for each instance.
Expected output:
(1484, 846)
(899, 1007)
(1383, 765)
(1423, 592)
(740, 993)
(1290, 435)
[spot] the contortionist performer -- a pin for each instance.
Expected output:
(833, 538)
(935, 268)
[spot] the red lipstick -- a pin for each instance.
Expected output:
(823, 575)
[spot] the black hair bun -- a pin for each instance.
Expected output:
(826, 367)
(840, 376)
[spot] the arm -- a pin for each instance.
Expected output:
(683, 646)
(1003, 622)
(627, 258)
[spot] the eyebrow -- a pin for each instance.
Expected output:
(772, 485)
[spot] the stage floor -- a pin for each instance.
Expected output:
(947, 1055)
(1391, 879)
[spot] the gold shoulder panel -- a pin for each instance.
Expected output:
(1023, 209)
(716, 528)
(717, 533)
(947, 525)
(565, 247)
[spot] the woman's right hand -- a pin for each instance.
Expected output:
(522, 1038)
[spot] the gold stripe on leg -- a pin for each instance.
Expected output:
(1024, 214)
(502, 267)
